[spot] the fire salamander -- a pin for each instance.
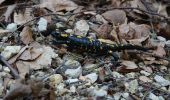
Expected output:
(92, 45)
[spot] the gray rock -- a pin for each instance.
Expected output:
(81, 28)
(153, 96)
(12, 27)
(133, 86)
(10, 51)
(161, 80)
(93, 77)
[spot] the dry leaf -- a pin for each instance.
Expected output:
(9, 11)
(26, 35)
(129, 64)
(22, 68)
(13, 59)
(44, 60)
(133, 31)
(21, 18)
(3, 32)
(58, 5)
(160, 51)
(117, 17)
(31, 54)
(103, 31)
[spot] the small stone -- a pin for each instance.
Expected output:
(161, 98)
(55, 79)
(100, 92)
(89, 66)
(10, 51)
(133, 86)
(117, 75)
(93, 77)
(168, 43)
(42, 24)
(60, 89)
(117, 96)
(6, 69)
(69, 81)
(161, 80)
(12, 27)
(73, 68)
(130, 75)
(125, 95)
(73, 89)
(161, 39)
(129, 64)
(153, 96)
(81, 28)
(145, 73)
(145, 79)
(69, 31)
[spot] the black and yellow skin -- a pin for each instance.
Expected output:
(92, 45)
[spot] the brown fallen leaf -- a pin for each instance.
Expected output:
(31, 53)
(159, 51)
(9, 11)
(134, 31)
(26, 35)
(58, 5)
(22, 68)
(129, 64)
(13, 59)
(21, 18)
(117, 17)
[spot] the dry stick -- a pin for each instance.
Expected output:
(13, 71)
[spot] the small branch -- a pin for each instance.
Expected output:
(13, 71)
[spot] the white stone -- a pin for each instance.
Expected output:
(42, 24)
(117, 96)
(55, 79)
(161, 98)
(73, 89)
(6, 69)
(74, 73)
(130, 75)
(81, 28)
(161, 80)
(145, 73)
(10, 51)
(93, 77)
(69, 81)
(133, 86)
(117, 75)
(160, 38)
(100, 92)
(153, 96)
(125, 95)
(69, 31)
(12, 27)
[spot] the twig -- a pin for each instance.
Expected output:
(13, 71)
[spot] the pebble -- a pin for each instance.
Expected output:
(161, 98)
(9, 51)
(73, 69)
(6, 69)
(42, 24)
(55, 79)
(145, 73)
(89, 66)
(117, 75)
(133, 86)
(73, 89)
(69, 81)
(1, 67)
(145, 79)
(81, 28)
(130, 75)
(100, 92)
(153, 96)
(168, 43)
(161, 39)
(12, 27)
(117, 96)
(93, 77)
(60, 89)
(125, 95)
(161, 80)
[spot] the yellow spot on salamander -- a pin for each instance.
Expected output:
(64, 35)
(79, 36)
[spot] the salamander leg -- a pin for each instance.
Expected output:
(114, 59)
